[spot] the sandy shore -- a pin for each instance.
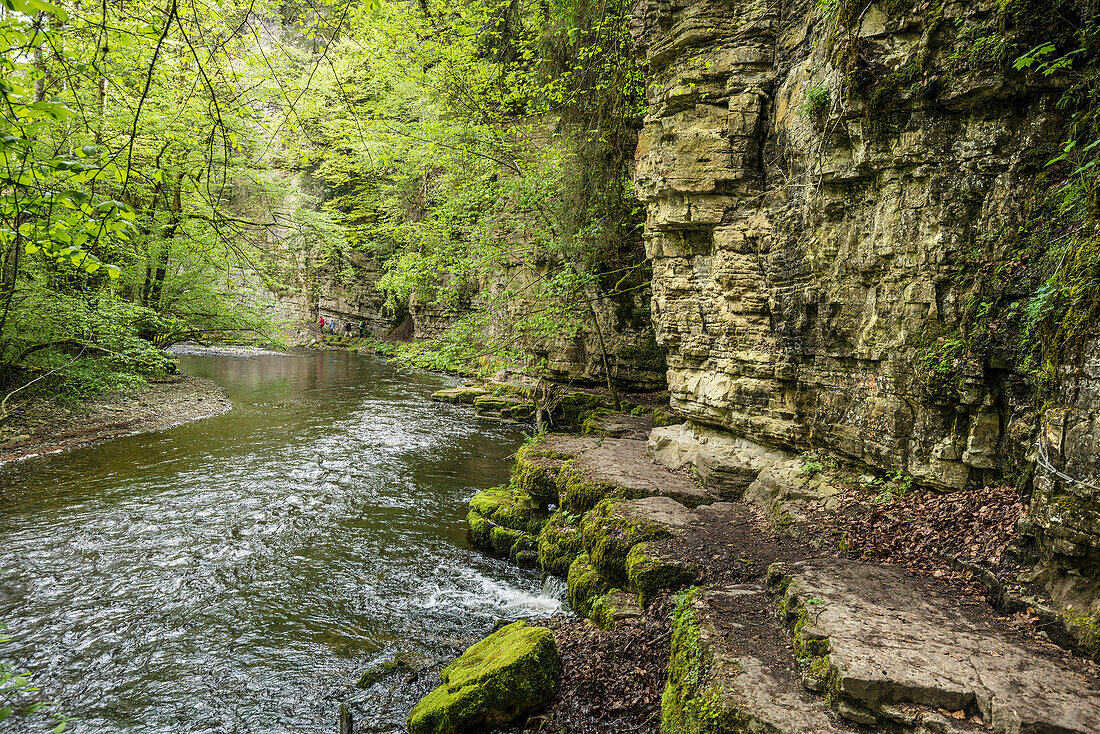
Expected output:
(46, 427)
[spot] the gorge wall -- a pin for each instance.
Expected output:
(817, 177)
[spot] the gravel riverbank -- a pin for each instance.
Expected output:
(45, 426)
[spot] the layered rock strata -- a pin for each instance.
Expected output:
(804, 230)
(820, 178)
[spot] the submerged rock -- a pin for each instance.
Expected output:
(511, 672)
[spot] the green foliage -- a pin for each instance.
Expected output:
(814, 462)
(818, 99)
(489, 164)
(887, 489)
(128, 150)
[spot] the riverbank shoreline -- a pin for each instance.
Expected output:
(46, 426)
(683, 580)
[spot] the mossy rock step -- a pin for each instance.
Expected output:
(613, 608)
(459, 395)
(517, 409)
(508, 522)
(720, 681)
(510, 508)
(650, 571)
(614, 424)
(574, 405)
(584, 585)
(559, 544)
(614, 527)
(579, 471)
(510, 673)
(536, 469)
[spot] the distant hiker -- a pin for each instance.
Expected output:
(321, 322)
(362, 329)
(347, 329)
(332, 326)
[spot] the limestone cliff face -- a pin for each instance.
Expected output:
(813, 188)
(804, 224)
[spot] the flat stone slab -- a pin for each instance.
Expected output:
(624, 462)
(619, 425)
(621, 462)
(750, 681)
(892, 639)
(459, 395)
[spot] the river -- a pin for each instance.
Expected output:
(237, 574)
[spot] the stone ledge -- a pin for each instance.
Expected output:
(881, 638)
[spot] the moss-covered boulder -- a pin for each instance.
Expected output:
(534, 477)
(502, 517)
(510, 673)
(525, 551)
(614, 607)
(559, 544)
(510, 508)
(611, 529)
(649, 572)
(584, 585)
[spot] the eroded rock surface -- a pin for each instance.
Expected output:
(879, 638)
(805, 222)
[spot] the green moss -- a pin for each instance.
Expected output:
(603, 610)
(532, 479)
(649, 575)
(663, 418)
(1086, 628)
(510, 508)
(479, 528)
(584, 585)
(574, 405)
(608, 537)
(502, 539)
(579, 493)
(510, 672)
(591, 426)
(524, 551)
(692, 702)
(506, 521)
(559, 544)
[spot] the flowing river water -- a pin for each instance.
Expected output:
(237, 574)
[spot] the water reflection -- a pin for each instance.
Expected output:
(235, 575)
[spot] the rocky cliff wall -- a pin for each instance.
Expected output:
(805, 233)
(819, 177)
